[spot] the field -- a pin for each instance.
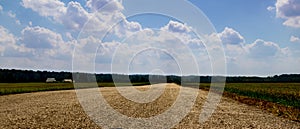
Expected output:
(287, 94)
(282, 99)
(15, 88)
(62, 109)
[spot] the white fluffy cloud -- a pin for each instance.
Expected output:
(233, 43)
(264, 49)
(230, 36)
(174, 26)
(46, 44)
(35, 42)
(290, 11)
(293, 22)
(295, 39)
(126, 28)
(53, 8)
(235, 46)
(258, 58)
(9, 46)
(287, 8)
(75, 16)
(39, 37)
(182, 32)
(5, 39)
(104, 5)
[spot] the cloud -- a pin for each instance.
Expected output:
(105, 52)
(290, 11)
(181, 32)
(287, 8)
(271, 8)
(230, 36)
(131, 26)
(9, 46)
(257, 58)
(294, 39)
(293, 22)
(52, 8)
(264, 49)
(30, 23)
(69, 36)
(126, 28)
(18, 22)
(5, 39)
(39, 37)
(230, 41)
(92, 51)
(1, 8)
(233, 43)
(104, 5)
(75, 16)
(138, 47)
(235, 46)
(46, 44)
(11, 14)
(174, 26)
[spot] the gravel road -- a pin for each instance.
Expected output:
(61, 109)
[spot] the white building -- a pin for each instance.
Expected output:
(49, 80)
(68, 80)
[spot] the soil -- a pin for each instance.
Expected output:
(62, 109)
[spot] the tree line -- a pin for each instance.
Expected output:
(21, 76)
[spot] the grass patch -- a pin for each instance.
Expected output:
(287, 94)
(16, 88)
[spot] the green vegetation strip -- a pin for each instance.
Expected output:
(16, 88)
(287, 94)
(282, 99)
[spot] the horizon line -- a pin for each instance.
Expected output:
(228, 75)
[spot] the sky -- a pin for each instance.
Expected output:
(185, 37)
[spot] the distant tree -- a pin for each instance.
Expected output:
(15, 76)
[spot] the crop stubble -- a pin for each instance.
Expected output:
(61, 109)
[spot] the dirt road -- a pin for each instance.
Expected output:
(61, 109)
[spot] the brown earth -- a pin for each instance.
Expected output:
(61, 109)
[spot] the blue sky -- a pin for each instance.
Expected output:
(259, 37)
(250, 18)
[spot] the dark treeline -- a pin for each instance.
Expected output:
(18, 76)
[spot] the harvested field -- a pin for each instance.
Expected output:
(61, 109)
